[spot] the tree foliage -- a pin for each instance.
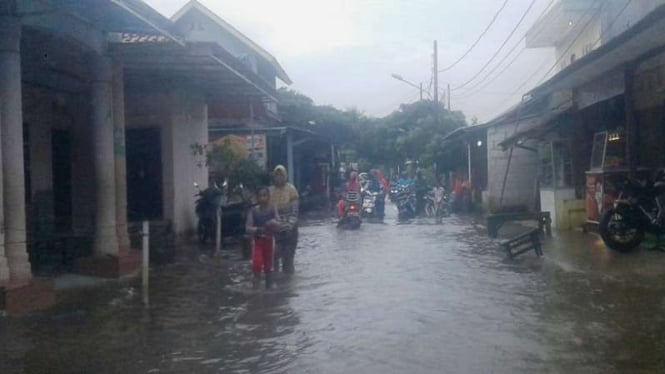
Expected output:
(413, 132)
(227, 165)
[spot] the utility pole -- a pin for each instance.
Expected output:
(449, 109)
(436, 74)
(437, 115)
(421, 91)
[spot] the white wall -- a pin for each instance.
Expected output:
(181, 114)
(521, 181)
(632, 14)
(189, 125)
(553, 201)
(586, 42)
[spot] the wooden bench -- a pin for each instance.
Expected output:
(495, 221)
(523, 243)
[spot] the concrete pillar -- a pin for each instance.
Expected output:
(4, 268)
(290, 165)
(101, 100)
(119, 152)
(11, 117)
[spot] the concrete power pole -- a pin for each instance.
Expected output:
(449, 109)
(436, 74)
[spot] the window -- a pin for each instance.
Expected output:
(555, 165)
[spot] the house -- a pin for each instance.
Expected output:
(255, 118)
(101, 103)
(599, 118)
(465, 160)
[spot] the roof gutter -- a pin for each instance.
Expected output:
(122, 4)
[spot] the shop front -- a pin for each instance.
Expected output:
(607, 173)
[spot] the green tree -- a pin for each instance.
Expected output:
(413, 132)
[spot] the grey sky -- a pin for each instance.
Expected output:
(343, 52)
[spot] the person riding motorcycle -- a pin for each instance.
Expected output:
(421, 189)
(384, 182)
(374, 185)
(351, 186)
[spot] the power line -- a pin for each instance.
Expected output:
(482, 34)
(594, 43)
(500, 48)
(610, 26)
(572, 43)
(505, 57)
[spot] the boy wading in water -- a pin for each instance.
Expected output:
(262, 222)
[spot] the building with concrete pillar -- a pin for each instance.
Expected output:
(101, 103)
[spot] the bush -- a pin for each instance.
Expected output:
(225, 164)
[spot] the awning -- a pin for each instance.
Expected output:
(543, 126)
(462, 133)
(207, 65)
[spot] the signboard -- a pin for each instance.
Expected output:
(607, 87)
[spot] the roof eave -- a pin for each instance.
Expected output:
(194, 4)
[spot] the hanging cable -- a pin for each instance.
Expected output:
(482, 34)
(498, 50)
(572, 43)
(594, 43)
(505, 57)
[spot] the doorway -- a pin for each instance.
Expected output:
(144, 174)
(61, 145)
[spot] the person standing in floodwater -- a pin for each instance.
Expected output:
(284, 197)
(262, 222)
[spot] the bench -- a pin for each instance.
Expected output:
(495, 221)
(523, 243)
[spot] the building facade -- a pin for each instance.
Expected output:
(101, 103)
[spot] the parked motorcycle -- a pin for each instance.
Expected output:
(233, 205)
(637, 211)
(207, 203)
(352, 214)
(406, 204)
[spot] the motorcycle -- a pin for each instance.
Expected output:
(397, 187)
(352, 214)
(636, 211)
(207, 203)
(213, 198)
(406, 204)
(373, 206)
(436, 207)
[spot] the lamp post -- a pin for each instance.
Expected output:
(417, 86)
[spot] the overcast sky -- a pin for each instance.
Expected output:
(343, 52)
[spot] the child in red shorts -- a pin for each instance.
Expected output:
(262, 223)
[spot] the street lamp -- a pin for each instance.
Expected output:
(418, 86)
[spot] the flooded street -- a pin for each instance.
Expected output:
(413, 298)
